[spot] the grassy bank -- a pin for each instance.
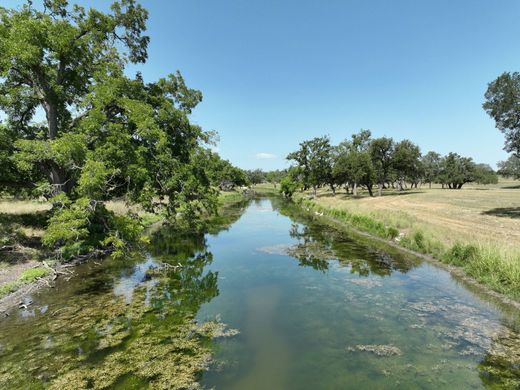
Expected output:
(476, 228)
(22, 225)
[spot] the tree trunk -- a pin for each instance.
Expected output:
(369, 187)
(333, 190)
(354, 189)
(314, 189)
(380, 189)
(430, 185)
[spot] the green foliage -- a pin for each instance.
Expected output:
(314, 159)
(288, 186)
(503, 105)
(221, 173)
(431, 164)
(9, 287)
(461, 254)
(79, 226)
(27, 276)
(484, 174)
(510, 167)
(106, 135)
(256, 176)
(406, 162)
(381, 152)
(456, 171)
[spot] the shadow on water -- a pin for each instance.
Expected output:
(505, 212)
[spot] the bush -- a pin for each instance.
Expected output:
(288, 187)
(461, 254)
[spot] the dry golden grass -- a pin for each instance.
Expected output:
(476, 228)
(17, 207)
(483, 214)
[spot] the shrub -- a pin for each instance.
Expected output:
(461, 254)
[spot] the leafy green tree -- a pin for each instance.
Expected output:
(105, 135)
(381, 151)
(354, 164)
(301, 157)
(256, 176)
(288, 186)
(510, 167)
(484, 174)
(503, 105)
(431, 163)
(50, 59)
(315, 160)
(222, 173)
(456, 171)
(274, 177)
(406, 162)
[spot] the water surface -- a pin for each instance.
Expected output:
(316, 308)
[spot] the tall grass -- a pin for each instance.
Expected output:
(496, 267)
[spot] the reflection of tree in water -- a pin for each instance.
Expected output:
(96, 339)
(183, 280)
(320, 243)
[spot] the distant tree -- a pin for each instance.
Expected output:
(274, 177)
(301, 157)
(256, 176)
(484, 174)
(381, 151)
(456, 171)
(340, 167)
(510, 167)
(431, 164)
(221, 172)
(406, 162)
(503, 105)
(315, 160)
(353, 162)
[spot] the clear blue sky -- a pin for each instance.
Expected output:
(274, 73)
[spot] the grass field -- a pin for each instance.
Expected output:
(477, 227)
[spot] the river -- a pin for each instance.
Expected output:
(306, 306)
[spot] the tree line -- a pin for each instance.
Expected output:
(377, 163)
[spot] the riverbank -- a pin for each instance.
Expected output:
(25, 266)
(474, 230)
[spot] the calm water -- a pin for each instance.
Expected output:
(316, 309)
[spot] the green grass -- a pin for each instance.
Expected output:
(27, 276)
(32, 274)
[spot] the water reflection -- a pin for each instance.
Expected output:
(119, 325)
(369, 318)
(320, 243)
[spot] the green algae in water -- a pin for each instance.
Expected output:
(119, 325)
(308, 307)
